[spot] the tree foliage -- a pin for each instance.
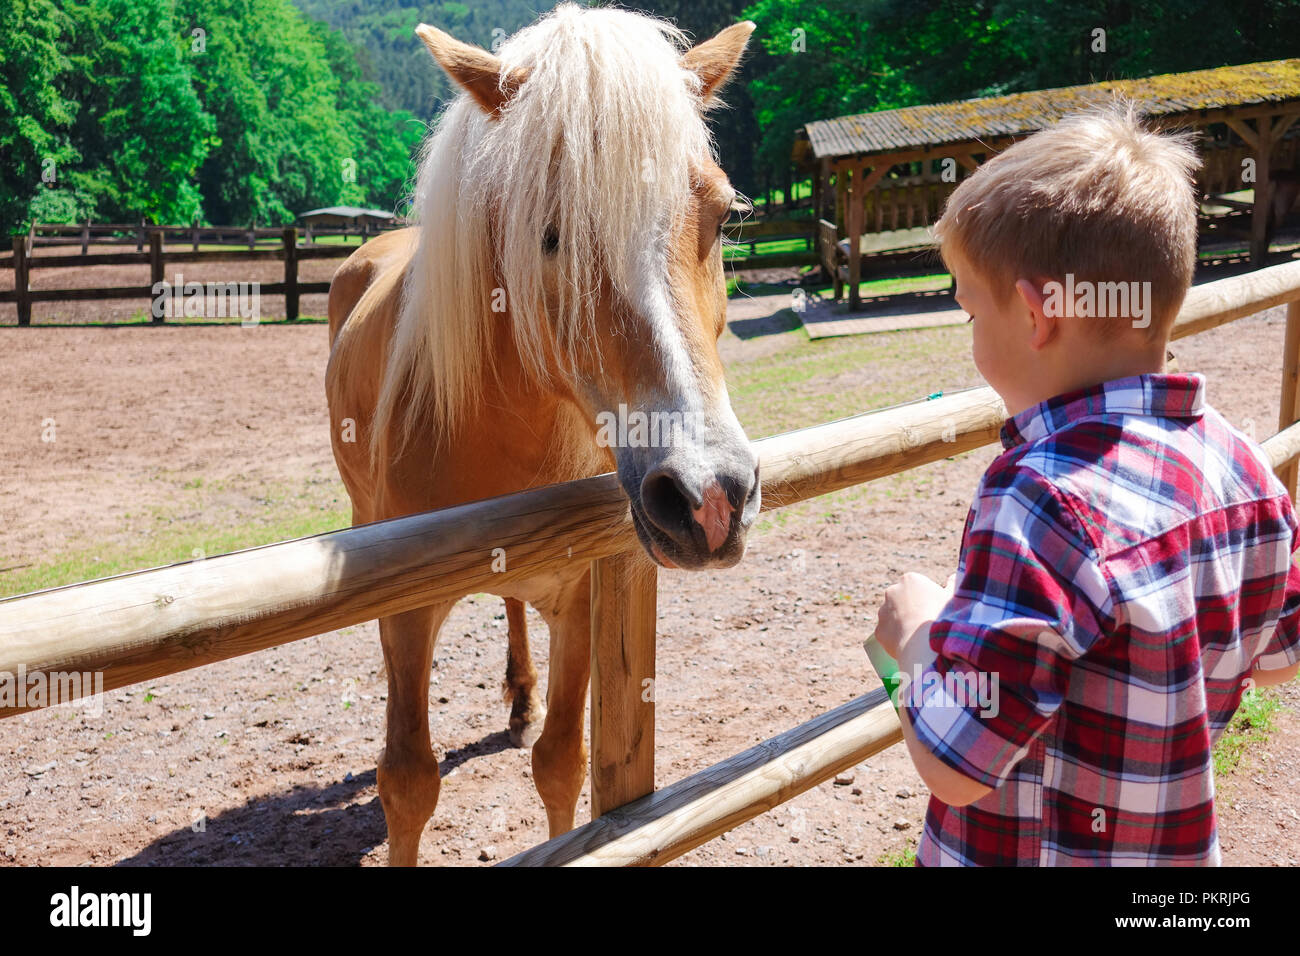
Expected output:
(229, 111)
(241, 110)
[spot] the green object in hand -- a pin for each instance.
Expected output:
(886, 667)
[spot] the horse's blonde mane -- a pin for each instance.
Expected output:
(598, 142)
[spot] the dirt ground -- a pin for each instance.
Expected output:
(269, 758)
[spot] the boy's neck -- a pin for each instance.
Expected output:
(1086, 372)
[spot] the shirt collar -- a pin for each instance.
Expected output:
(1163, 395)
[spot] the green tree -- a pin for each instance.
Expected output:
(35, 116)
(382, 142)
(141, 130)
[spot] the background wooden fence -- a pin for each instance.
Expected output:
(289, 250)
(141, 626)
(291, 245)
(118, 233)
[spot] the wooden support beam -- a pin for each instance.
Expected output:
(1289, 412)
(968, 161)
(623, 612)
(667, 823)
(1282, 124)
(1263, 194)
(841, 195)
(22, 278)
(1243, 129)
(862, 184)
(157, 272)
(290, 240)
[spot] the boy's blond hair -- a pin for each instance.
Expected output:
(1097, 195)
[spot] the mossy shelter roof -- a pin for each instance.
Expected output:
(943, 124)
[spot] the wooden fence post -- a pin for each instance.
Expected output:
(20, 281)
(252, 236)
(623, 603)
(85, 237)
(156, 265)
(291, 274)
(1290, 410)
(194, 234)
(139, 236)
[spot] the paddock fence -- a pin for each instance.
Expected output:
(284, 244)
(144, 625)
(85, 234)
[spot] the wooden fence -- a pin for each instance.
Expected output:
(756, 231)
(289, 251)
(141, 626)
(126, 233)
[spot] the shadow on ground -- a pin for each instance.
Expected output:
(327, 825)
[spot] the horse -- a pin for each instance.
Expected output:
(565, 266)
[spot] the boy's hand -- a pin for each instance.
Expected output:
(913, 601)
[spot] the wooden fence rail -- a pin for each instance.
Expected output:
(147, 624)
(290, 252)
(753, 232)
(137, 233)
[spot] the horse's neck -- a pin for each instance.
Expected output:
(537, 425)
(512, 434)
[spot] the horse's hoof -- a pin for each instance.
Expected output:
(524, 733)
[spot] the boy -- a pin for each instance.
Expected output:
(1125, 571)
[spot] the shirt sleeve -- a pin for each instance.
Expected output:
(1283, 647)
(1030, 598)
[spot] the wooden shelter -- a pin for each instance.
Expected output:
(345, 219)
(894, 169)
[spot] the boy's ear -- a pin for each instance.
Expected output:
(476, 70)
(1042, 314)
(714, 59)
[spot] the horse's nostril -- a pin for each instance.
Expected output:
(665, 502)
(673, 509)
(714, 515)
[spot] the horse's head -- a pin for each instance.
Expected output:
(589, 159)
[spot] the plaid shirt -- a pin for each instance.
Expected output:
(1126, 562)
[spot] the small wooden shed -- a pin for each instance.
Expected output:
(346, 219)
(884, 171)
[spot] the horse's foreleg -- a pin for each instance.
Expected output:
(408, 771)
(520, 685)
(560, 754)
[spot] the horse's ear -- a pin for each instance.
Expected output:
(475, 69)
(714, 60)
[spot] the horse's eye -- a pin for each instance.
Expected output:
(551, 241)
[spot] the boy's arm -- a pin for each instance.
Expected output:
(985, 678)
(950, 786)
(1271, 678)
(1271, 667)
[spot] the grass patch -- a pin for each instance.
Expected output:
(904, 857)
(872, 288)
(173, 545)
(737, 249)
(804, 382)
(1250, 726)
